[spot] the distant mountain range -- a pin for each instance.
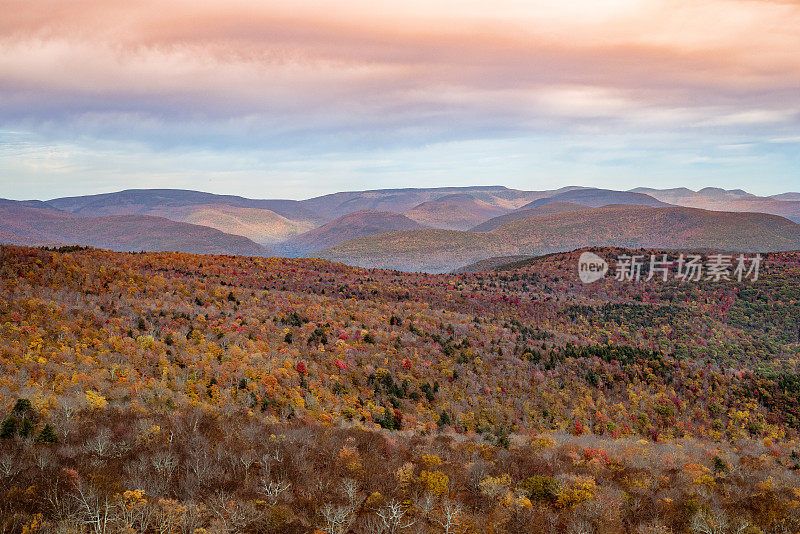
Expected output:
(594, 198)
(615, 225)
(433, 229)
(528, 213)
(454, 212)
(24, 225)
(712, 198)
(360, 223)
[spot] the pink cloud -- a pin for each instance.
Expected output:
(323, 63)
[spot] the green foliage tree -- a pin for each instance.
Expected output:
(47, 435)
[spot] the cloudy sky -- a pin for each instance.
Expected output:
(297, 98)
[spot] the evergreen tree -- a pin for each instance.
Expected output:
(26, 428)
(9, 427)
(47, 435)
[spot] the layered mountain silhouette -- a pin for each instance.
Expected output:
(24, 225)
(615, 225)
(433, 229)
(454, 212)
(787, 196)
(528, 213)
(351, 226)
(597, 197)
(145, 201)
(400, 200)
(712, 198)
(263, 221)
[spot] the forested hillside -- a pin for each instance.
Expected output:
(168, 392)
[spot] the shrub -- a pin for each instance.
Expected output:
(720, 466)
(444, 419)
(541, 488)
(577, 490)
(95, 400)
(431, 461)
(434, 482)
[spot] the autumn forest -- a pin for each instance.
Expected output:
(179, 393)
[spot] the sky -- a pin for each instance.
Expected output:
(293, 99)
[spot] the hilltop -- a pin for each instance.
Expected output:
(626, 226)
(351, 226)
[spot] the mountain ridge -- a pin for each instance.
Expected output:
(350, 226)
(626, 226)
(126, 233)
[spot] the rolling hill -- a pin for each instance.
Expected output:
(400, 200)
(538, 211)
(454, 212)
(597, 197)
(683, 196)
(615, 225)
(492, 263)
(351, 226)
(7, 238)
(160, 201)
(260, 225)
(20, 224)
(787, 196)
(434, 251)
(639, 226)
(713, 198)
(317, 224)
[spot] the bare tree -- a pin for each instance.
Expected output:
(247, 459)
(273, 490)
(164, 462)
(372, 524)
(710, 522)
(450, 516)
(269, 459)
(143, 475)
(338, 518)
(100, 444)
(193, 518)
(581, 526)
(350, 491)
(234, 515)
(426, 503)
(44, 459)
(63, 505)
(95, 510)
(392, 516)
(9, 466)
(201, 466)
(219, 505)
